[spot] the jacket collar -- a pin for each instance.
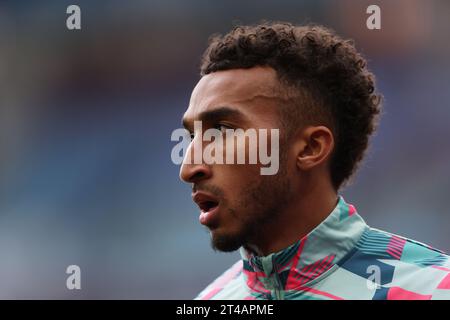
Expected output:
(309, 257)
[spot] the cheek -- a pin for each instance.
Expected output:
(233, 178)
(236, 171)
(234, 181)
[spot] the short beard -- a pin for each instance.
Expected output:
(262, 205)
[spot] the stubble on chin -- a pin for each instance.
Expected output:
(257, 212)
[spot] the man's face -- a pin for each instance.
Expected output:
(237, 203)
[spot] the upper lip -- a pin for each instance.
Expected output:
(204, 200)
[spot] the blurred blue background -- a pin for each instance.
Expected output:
(86, 116)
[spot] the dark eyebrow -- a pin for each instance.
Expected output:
(214, 115)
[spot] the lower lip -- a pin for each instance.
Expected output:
(206, 218)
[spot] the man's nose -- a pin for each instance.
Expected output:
(191, 172)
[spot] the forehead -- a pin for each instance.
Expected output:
(249, 90)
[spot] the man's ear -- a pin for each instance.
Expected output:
(314, 146)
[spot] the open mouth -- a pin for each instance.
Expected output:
(209, 208)
(206, 206)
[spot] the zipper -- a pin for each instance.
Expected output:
(278, 290)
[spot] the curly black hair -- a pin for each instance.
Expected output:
(318, 65)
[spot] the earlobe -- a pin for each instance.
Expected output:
(315, 147)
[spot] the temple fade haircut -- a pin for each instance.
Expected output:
(322, 79)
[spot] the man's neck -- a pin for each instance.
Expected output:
(304, 214)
